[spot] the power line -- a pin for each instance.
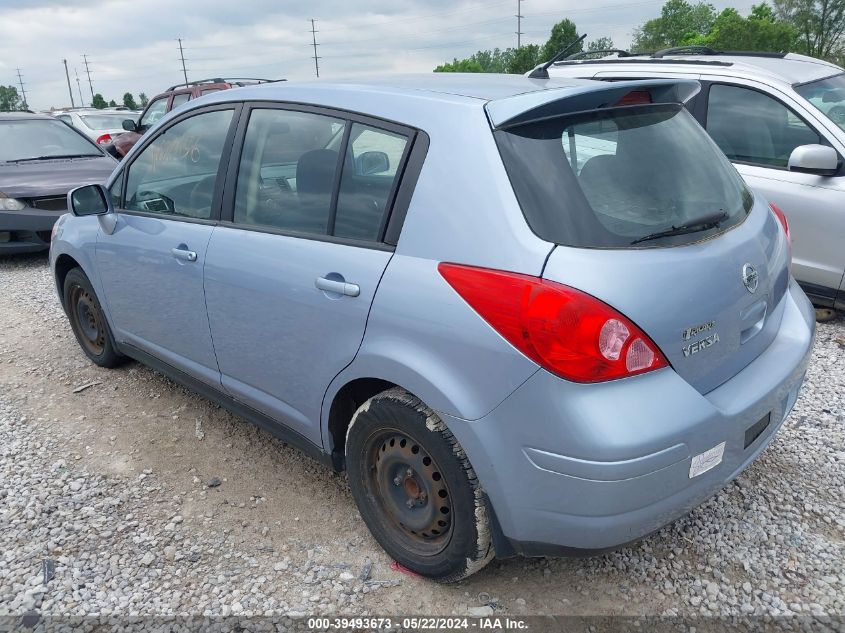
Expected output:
(69, 90)
(314, 42)
(182, 56)
(416, 18)
(88, 71)
(420, 34)
(519, 17)
(23, 92)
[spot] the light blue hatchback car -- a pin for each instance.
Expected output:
(526, 316)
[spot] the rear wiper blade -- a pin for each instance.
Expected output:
(23, 160)
(699, 224)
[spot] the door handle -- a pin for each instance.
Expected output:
(338, 287)
(183, 254)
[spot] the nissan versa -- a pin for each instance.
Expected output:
(525, 316)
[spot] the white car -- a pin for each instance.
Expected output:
(101, 126)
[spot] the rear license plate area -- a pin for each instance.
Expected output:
(756, 430)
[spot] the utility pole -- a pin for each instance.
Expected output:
(182, 56)
(519, 17)
(314, 41)
(79, 87)
(23, 92)
(88, 71)
(69, 90)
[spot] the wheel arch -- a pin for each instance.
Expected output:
(64, 264)
(344, 403)
(417, 370)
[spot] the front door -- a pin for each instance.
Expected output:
(151, 265)
(758, 133)
(289, 280)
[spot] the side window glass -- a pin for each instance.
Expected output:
(287, 171)
(179, 100)
(176, 173)
(154, 112)
(372, 160)
(751, 127)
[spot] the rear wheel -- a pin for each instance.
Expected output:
(823, 315)
(88, 322)
(416, 489)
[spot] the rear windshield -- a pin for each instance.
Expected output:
(103, 121)
(614, 178)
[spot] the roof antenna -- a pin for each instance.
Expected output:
(542, 72)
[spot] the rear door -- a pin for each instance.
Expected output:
(291, 272)
(151, 264)
(691, 298)
(652, 219)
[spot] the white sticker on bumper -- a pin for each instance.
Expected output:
(703, 462)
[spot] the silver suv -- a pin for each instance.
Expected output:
(781, 119)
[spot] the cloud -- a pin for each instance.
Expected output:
(132, 47)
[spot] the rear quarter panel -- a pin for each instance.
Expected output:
(420, 334)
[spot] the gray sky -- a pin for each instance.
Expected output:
(131, 44)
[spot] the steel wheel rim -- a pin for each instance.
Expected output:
(88, 320)
(410, 492)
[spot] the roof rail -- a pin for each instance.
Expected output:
(604, 51)
(706, 50)
(240, 81)
(635, 59)
(685, 50)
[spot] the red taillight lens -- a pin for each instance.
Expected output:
(781, 216)
(635, 97)
(103, 138)
(565, 331)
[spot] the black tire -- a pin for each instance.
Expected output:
(823, 315)
(420, 499)
(88, 322)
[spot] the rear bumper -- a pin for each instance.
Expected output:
(591, 467)
(26, 231)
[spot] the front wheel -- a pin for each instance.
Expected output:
(416, 489)
(87, 321)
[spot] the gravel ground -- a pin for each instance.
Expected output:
(138, 497)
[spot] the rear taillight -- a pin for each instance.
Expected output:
(781, 216)
(103, 138)
(635, 97)
(565, 331)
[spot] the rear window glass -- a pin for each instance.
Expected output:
(615, 178)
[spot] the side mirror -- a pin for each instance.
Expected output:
(814, 159)
(89, 200)
(370, 163)
(129, 125)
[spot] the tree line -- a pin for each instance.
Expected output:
(11, 101)
(809, 27)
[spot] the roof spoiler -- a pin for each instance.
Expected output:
(568, 99)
